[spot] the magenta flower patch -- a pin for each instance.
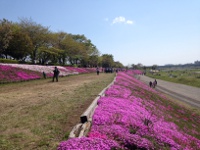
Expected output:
(86, 143)
(23, 72)
(12, 74)
(135, 117)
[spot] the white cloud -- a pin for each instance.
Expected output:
(119, 19)
(122, 19)
(129, 22)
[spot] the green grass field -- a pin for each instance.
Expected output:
(39, 114)
(188, 77)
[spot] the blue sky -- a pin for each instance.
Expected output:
(134, 31)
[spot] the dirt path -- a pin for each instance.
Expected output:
(185, 93)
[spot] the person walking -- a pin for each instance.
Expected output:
(150, 84)
(156, 82)
(44, 75)
(97, 70)
(55, 74)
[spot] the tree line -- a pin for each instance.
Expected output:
(28, 41)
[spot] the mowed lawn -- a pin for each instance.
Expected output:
(187, 77)
(39, 114)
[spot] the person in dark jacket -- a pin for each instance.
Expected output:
(44, 75)
(97, 71)
(156, 82)
(150, 84)
(55, 74)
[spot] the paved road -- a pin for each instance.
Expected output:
(188, 94)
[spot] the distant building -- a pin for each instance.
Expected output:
(197, 62)
(154, 71)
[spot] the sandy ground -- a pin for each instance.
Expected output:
(184, 93)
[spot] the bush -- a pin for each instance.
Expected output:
(8, 61)
(75, 65)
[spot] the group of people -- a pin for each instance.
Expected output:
(107, 70)
(153, 84)
(55, 74)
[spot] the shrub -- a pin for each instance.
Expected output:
(8, 61)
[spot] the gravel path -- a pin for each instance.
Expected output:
(188, 94)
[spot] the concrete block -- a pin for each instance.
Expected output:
(75, 131)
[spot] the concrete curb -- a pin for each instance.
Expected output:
(82, 129)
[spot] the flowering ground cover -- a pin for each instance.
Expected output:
(81, 70)
(134, 116)
(22, 72)
(13, 74)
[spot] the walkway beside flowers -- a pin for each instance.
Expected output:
(134, 116)
(185, 93)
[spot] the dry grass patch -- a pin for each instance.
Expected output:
(39, 114)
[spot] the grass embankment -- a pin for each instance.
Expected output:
(188, 77)
(39, 114)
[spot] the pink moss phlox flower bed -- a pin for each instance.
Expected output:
(81, 70)
(23, 72)
(86, 143)
(134, 116)
(13, 74)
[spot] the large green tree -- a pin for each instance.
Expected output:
(94, 61)
(20, 45)
(74, 50)
(107, 60)
(37, 34)
(90, 50)
(118, 64)
(48, 54)
(32, 40)
(51, 50)
(5, 36)
(61, 43)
